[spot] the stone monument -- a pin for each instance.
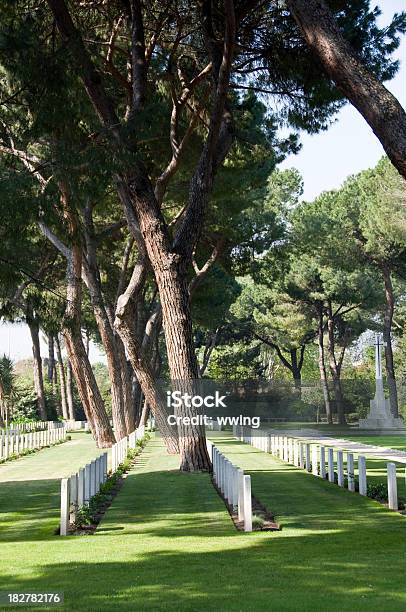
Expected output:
(380, 415)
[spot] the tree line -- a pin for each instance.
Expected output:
(137, 140)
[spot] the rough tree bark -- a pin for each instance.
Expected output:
(37, 365)
(322, 367)
(69, 391)
(387, 337)
(114, 364)
(210, 345)
(52, 373)
(51, 358)
(62, 379)
(72, 333)
(380, 109)
(3, 406)
(124, 324)
(144, 414)
(335, 368)
(295, 364)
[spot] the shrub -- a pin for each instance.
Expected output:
(257, 521)
(378, 491)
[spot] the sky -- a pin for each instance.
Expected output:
(325, 160)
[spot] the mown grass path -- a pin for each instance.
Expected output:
(167, 543)
(29, 489)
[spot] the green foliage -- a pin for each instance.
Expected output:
(213, 298)
(88, 514)
(103, 382)
(236, 361)
(257, 521)
(378, 491)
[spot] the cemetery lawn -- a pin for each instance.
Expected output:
(377, 468)
(167, 543)
(29, 491)
(397, 442)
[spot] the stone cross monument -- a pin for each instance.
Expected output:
(380, 415)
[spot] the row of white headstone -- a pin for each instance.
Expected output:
(119, 449)
(32, 426)
(16, 444)
(234, 485)
(79, 488)
(73, 425)
(318, 460)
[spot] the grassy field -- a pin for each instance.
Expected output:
(377, 468)
(398, 442)
(167, 542)
(29, 489)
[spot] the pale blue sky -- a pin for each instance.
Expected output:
(349, 145)
(325, 161)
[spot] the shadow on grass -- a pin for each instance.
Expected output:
(29, 509)
(167, 543)
(266, 576)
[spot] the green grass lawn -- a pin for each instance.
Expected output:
(322, 427)
(29, 488)
(377, 468)
(167, 542)
(398, 442)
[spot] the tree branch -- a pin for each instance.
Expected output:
(277, 349)
(380, 109)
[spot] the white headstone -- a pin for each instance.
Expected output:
(330, 452)
(240, 481)
(322, 462)
(247, 504)
(64, 527)
(350, 472)
(315, 467)
(308, 461)
(362, 475)
(392, 487)
(340, 469)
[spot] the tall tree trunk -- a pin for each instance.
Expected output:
(114, 367)
(119, 396)
(72, 333)
(62, 379)
(144, 414)
(51, 358)
(296, 371)
(335, 369)
(387, 337)
(322, 367)
(124, 324)
(69, 392)
(208, 349)
(51, 373)
(126, 386)
(87, 342)
(177, 322)
(380, 109)
(38, 374)
(138, 399)
(3, 405)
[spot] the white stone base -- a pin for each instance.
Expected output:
(371, 423)
(380, 416)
